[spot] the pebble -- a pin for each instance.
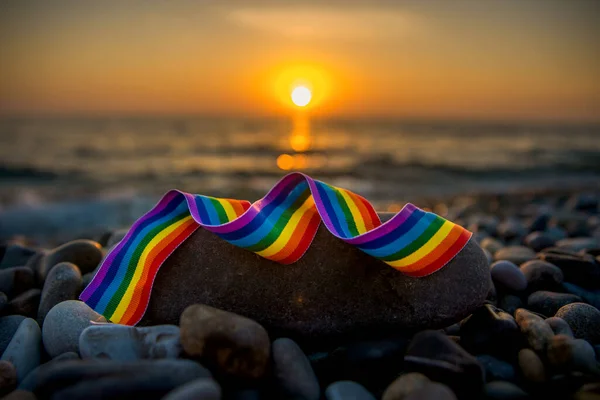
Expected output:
(8, 377)
(15, 255)
(24, 350)
(198, 389)
(590, 391)
(86, 254)
(489, 330)
(230, 343)
(542, 275)
(25, 304)
(346, 390)
(20, 395)
(535, 329)
(567, 354)
(86, 279)
(8, 327)
(432, 391)
(32, 379)
(404, 385)
(556, 233)
(128, 343)
(510, 229)
(531, 366)
(559, 326)
(582, 270)
(515, 254)
(578, 244)
(591, 297)
(538, 241)
(436, 356)
(147, 379)
(583, 202)
(548, 303)
(500, 390)
(540, 221)
(16, 280)
(583, 319)
(510, 303)
(63, 325)
(62, 283)
(508, 275)
(293, 374)
(495, 369)
(491, 244)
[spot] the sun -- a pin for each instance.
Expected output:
(301, 96)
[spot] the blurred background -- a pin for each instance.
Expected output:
(104, 106)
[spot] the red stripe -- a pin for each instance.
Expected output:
(140, 308)
(305, 241)
(445, 258)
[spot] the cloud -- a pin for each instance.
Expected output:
(326, 23)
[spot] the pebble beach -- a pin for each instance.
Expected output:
(535, 336)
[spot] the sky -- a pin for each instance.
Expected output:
(477, 59)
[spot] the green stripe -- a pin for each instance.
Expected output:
(280, 225)
(220, 210)
(347, 212)
(133, 262)
(431, 230)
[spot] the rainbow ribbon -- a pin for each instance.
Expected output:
(279, 227)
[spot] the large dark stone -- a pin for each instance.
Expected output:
(333, 289)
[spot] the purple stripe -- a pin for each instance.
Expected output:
(99, 277)
(386, 227)
(320, 207)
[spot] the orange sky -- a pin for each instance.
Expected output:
(520, 59)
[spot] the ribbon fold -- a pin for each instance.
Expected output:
(279, 227)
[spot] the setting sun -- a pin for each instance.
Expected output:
(301, 96)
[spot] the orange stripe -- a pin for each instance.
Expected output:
(436, 253)
(305, 240)
(139, 286)
(373, 218)
(445, 258)
(237, 207)
(296, 237)
(363, 210)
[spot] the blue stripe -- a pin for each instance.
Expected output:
(403, 240)
(339, 212)
(262, 215)
(396, 233)
(213, 216)
(269, 223)
(204, 218)
(126, 258)
(112, 270)
(328, 208)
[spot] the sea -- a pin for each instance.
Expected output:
(62, 177)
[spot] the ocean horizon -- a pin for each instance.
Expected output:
(81, 166)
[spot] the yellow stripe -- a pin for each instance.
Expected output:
(139, 269)
(229, 210)
(426, 248)
(286, 234)
(356, 215)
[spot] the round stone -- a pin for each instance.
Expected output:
(548, 303)
(293, 374)
(203, 388)
(86, 254)
(508, 275)
(531, 366)
(542, 275)
(230, 343)
(63, 326)
(62, 283)
(515, 254)
(404, 385)
(344, 390)
(583, 319)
